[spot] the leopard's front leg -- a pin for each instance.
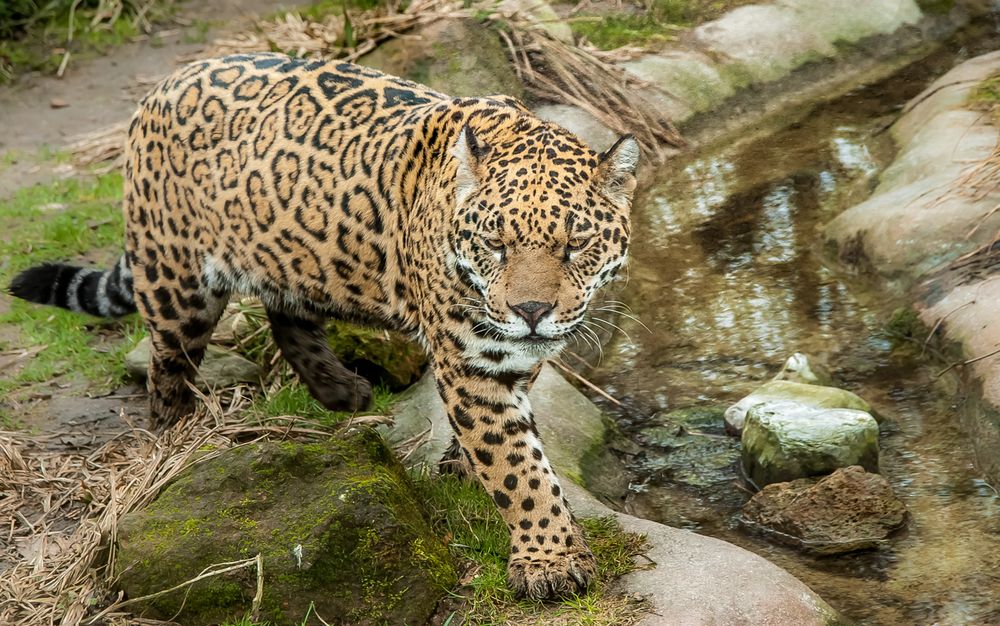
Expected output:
(491, 416)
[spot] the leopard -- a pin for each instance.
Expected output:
(329, 189)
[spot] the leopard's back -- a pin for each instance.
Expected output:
(287, 175)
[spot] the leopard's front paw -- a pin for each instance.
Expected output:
(551, 578)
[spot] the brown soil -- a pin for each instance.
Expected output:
(101, 91)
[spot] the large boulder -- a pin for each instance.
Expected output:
(336, 523)
(918, 221)
(817, 396)
(783, 441)
(848, 510)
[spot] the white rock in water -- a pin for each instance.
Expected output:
(802, 368)
(817, 396)
(783, 441)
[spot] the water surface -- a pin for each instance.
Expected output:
(729, 275)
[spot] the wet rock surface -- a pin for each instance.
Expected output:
(784, 441)
(335, 521)
(846, 511)
(810, 395)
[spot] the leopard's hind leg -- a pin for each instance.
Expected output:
(180, 311)
(303, 343)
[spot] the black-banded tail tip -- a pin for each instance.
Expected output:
(35, 284)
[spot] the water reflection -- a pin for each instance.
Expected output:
(727, 275)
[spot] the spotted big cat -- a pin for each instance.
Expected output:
(330, 190)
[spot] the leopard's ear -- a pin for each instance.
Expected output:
(616, 169)
(470, 154)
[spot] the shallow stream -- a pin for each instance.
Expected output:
(729, 275)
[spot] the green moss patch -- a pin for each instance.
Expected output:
(658, 23)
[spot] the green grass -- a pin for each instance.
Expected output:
(295, 399)
(60, 221)
(37, 34)
(462, 511)
(649, 28)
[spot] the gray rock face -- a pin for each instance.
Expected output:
(570, 425)
(459, 57)
(220, 367)
(580, 123)
(783, 441)
(698, 580)
(335, 522)
(846, 511)
(911, 226)
(811, 395)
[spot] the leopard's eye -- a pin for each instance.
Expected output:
(577, 243)
(494, 243)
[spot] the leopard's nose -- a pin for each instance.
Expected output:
(532, 311)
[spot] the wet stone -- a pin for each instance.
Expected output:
(812, 395)
(802, 368)
(785, 440)
(846, 511)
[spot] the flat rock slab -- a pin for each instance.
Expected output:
(846, 511)
(783, 441)
(702, 581)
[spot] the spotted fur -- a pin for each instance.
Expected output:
(332, 190)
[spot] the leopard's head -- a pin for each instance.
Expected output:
(541, 223)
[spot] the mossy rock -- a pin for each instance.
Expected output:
(460, 57)
(378, 355)
(367, 554)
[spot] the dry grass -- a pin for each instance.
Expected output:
(63, 506)
(980, 182)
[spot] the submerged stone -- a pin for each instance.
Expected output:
(688, 447)
(784, 441)
(812, 395)
(336, 523)
(846, 511)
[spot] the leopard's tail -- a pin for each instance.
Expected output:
(105, 293)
